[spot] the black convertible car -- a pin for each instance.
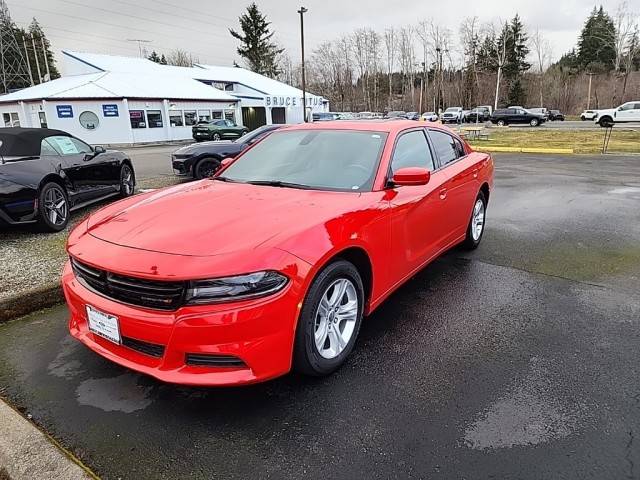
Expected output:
(45, 174)
(201, 160)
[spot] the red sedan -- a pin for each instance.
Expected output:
(272, 264)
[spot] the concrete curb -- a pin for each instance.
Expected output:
(31, 301)
(489, 148)
(26, 453)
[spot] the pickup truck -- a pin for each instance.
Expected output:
(625, 113)
(452, 115)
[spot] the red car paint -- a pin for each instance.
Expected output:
(209, 229)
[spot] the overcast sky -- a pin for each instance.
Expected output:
(201, 26)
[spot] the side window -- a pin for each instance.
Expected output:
(412, 150)
(221, 123)
(447, 147)
(46, 148)
(68, 145)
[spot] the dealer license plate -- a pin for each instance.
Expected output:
(103, 324)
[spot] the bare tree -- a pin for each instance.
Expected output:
(500, 41)
(542, 52)
(181, 58)
(407, 60)
(470, 38)
(391, 48)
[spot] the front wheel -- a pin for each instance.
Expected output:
(606, 122)
(501, 123)
(329, 320)
(53, 208)
(206, 167)
(534, 122)
(127, 181)
(475, 229)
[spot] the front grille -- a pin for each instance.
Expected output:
(135, 291)
(151, 349)
(207, 360)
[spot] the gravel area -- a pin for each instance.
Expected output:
(32, 260)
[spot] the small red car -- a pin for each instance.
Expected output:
(272, 264)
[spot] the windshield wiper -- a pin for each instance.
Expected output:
(224, 179)
(278, 183)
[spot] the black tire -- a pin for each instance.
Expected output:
(501, 123)
(471, 241)
(127, 181)
(216, 137)
(306, 356)
(206, 167)
(583, 118)
(606, 122)
(534, 122)
(47, 197)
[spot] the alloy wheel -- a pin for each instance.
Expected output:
(477, 221)
(126, 181)
(55, 206)
(216, 136)
(335, 318)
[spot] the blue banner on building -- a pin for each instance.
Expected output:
(64, 111)
(110, 110)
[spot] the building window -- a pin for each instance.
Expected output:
(43, 119)
(154, 118)
(190, 117)
(11, 119)
(230, 115)
(204, 115)
(89, 120)
(216, 114)
(175, 118)
(137, 119)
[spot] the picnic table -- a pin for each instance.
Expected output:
(473, 133)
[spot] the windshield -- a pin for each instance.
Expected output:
(341, 160)
(252, 136)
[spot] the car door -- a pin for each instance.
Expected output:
(233, 131)
(89, 177)
(416, 211)
(460, 185)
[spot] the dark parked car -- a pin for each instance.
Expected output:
(556, 115)
(201, 160)
(396, 114)
(325, 116)
(478, 114)
(412, 116)
(516, 115)
(218, 130)
(45, 174)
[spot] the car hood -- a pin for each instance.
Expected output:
(609, 111)
(212, 218)
(203, 146)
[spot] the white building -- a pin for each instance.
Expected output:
(106, 99)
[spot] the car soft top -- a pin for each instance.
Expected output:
(24, 142)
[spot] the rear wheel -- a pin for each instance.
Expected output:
(501, 123)
(53, 208)
(476, 225)
(216, 136)
(534, 122)
(206, 167)
(329, 320)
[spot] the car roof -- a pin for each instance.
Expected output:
(18, 141)
(388, 125)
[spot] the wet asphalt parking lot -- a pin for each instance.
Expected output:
(520, 360)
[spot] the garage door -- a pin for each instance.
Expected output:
(254, 117)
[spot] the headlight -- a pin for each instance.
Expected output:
(239, 287)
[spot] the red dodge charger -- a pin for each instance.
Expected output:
(272, 264)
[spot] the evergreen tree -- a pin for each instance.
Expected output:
(163, 60)
(256, 47)
(517, 95)
(37, 33)
(517, 49)
(154, 57)
(596, 50)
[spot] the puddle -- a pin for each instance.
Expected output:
(117, 394)
(61, 366)
(524, 416)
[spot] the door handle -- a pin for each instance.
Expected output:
(443, 194)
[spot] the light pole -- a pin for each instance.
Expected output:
(589, 94)
(302, 11)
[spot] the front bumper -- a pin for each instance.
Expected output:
(260, 333)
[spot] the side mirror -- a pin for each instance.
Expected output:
(98, 149)
(411, 176)
(226, 161)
